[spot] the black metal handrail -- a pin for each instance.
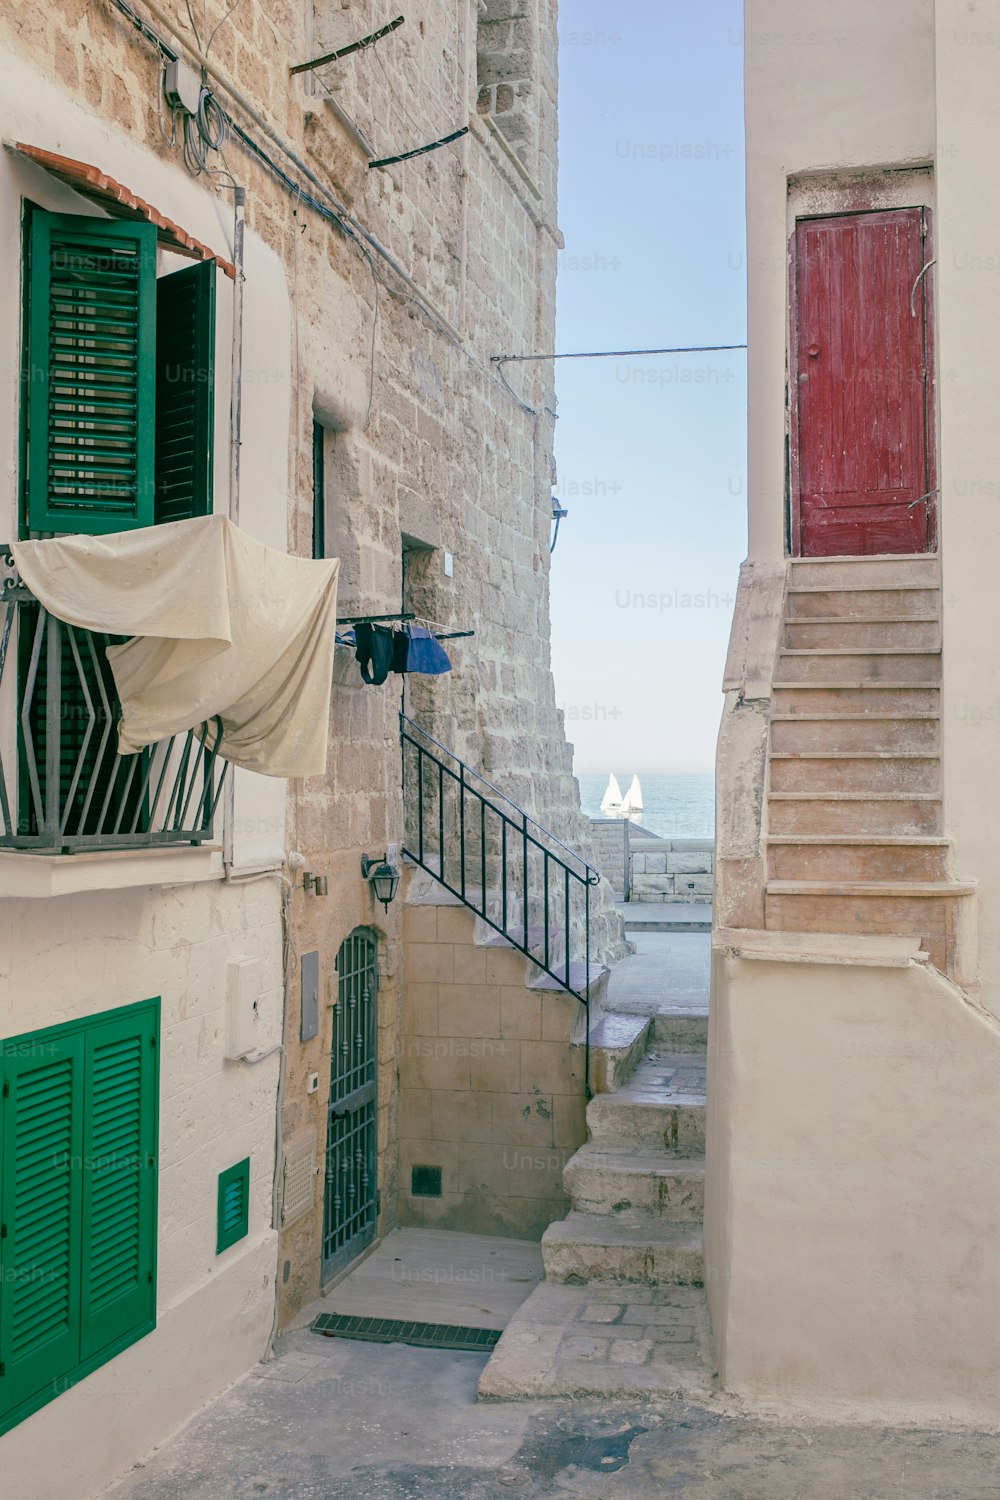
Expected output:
(500, 862)
(63, 786)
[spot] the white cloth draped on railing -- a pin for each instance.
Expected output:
(221, 626)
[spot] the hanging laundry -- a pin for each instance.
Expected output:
(426, 654)
(374, 652)
(220, 627)
(400, 651)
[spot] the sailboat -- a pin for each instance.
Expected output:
(612, 800)
(631, 805)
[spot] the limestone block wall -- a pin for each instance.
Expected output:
(671, 869)
(611, 850)
(491, 1091)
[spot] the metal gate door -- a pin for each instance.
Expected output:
(351, 1206)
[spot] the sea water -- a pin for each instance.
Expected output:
(675, 807)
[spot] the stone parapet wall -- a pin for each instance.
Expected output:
(641, 867)
(671, 869)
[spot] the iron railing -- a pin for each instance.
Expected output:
(502, 864)
(63, 786)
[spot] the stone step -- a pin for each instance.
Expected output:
(854, 813)
(795, 733)
(869, 572)
(915, 633)
(625, 1119)
(882, 857)
(681, 1029)
(825, 666)
(794, 698)
(604, 1339)
(617, 1043)
(855, 601)
(923, 909)
(617, 1180)
(592, 1247)
(853, 771)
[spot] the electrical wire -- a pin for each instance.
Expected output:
(225, 18)
(194, 28)
(510, 359)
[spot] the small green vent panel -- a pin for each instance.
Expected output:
(234, 1205)
(402, 1331)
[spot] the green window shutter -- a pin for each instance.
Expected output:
(234, 1205)
(185, 392)
(40, 1205)
(89, 377)
(119, 1192)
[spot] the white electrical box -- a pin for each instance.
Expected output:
(242, 997)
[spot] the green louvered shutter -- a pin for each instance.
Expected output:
(185, 392)
(119, 1193)
(233, 1205)
(40, 1151)
(90, 379)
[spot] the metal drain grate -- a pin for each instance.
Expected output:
(401, 1331)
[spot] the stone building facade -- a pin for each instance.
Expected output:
(359, 412)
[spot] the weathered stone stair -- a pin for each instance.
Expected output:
(854, 827)
(622, 1310)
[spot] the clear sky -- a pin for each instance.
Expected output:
(651, 452)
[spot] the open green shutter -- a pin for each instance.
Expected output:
(41, 1155)
(185, 392)
(89, 378)
(119, 1194)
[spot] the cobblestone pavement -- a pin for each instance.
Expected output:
(333, 1420)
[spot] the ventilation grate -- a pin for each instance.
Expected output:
(298, 1180)
(403, 1331)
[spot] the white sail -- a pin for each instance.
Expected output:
(612, 799)
(632, 801)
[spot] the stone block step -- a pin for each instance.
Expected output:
(826, 666)
(854, 813)
(852, 771)
(604, 1339)
(617, 1043)
(926, 910)
(855, 601)
(800, 732)
(681, 1029)
(868, 572)
(806, 698)
(592, 1247)
(623, 1119)
(913, 632)
(858, 858)
(617, 1180)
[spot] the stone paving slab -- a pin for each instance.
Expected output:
(438, 1276)
(666, 916)
(385, 1422)
(668, 970)
(604, 1339)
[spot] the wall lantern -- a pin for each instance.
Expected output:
(383, 873)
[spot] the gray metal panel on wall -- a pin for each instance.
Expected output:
(309, 972)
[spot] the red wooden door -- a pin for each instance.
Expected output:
(861, 441)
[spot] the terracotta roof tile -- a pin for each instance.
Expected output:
(118, 201)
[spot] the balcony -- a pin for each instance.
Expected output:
(64, 789)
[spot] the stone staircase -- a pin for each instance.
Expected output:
(622, 1309)
(854, 819)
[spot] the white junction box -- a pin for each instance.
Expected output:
(242, 998)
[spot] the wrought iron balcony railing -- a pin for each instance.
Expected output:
(63, 786)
